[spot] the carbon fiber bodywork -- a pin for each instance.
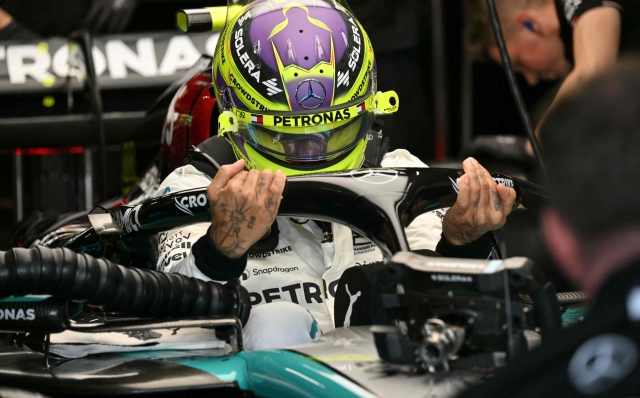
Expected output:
(109, 375)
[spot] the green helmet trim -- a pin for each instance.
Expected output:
(380, 103)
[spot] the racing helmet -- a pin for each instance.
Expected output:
(295, 82)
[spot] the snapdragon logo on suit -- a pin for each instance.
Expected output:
(269, 270)
(245, 275)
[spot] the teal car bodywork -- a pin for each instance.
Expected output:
(271, 373)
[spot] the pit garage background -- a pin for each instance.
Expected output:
(48, 139)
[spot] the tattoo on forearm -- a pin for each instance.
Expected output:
(231, 219)
(212, 205)
(496, 200)
(464, 233)
(227, 234)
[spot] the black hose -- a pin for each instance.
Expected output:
(513, 85)
(65, 274)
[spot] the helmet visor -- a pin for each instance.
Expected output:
(308, 136)
(307, 143)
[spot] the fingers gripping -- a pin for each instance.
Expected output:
(494, 201)
(470, 170)
(275, 193)
(251, 180)
(464, 194)
(484, 205)
(223, 176)
(481, 206)
(264, 183)
(508, 197)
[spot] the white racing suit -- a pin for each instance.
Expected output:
(300, 270)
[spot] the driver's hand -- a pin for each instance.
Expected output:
(243, 206)
(482, 206)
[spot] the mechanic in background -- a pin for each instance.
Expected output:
(592, 146)
(34, 19)
(573, 40)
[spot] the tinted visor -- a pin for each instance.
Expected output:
(307, 144)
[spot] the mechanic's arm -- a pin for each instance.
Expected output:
(596, 40)
(482, 206)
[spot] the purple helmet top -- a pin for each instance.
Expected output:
(298, 33)
(303, 34)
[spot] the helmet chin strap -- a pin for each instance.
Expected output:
(377, 147)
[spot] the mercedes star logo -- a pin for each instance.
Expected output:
(602, 362)
(311, 100)
(375, 177)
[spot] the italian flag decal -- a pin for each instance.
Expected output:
(361, 108)
(257, 119)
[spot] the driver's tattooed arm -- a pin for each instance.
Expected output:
(243, 205)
